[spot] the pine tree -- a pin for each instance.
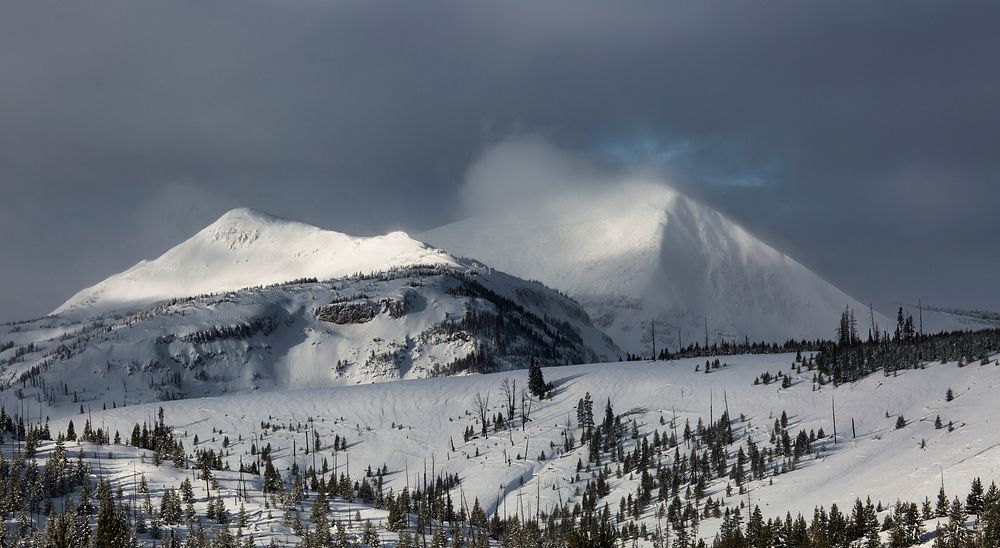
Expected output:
(941, 507)
(974, 501)
(112, 529)
(898, 537)
(320, 508)
(872, 539)
(341, 540)
(370, 535)
(585, 416)
(955, 532)
(536, 382)
(223, 539)
(478, 517)
(989, 518)
(438, 539)
(82, 534)
(397, 515)
(272, 480)
(57, 530)
(405, 540)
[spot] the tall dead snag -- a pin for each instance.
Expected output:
(481, 405)
(509, 390)
(525, 408)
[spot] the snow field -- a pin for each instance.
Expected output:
(410, 425)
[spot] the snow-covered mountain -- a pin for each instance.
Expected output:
(246, 248)
(407, 322)
(285, 363)
(257, 303)
(644, 251)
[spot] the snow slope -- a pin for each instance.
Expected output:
(403, 323)
(246, 248)
(411, 424)
(645, 251)
(935, 319)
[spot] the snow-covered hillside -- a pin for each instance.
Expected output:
(410, 426)
(404, 323)
(642, 251)
(879, 461)
(264, 341)
(246, 248)
(932, 319)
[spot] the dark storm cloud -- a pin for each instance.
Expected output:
(861, 138)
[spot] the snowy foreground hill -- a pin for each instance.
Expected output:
(401, 435)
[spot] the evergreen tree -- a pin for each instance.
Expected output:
(57, 530)
(320, 508)
(974, 501)
(370, 535)
(585, 416)
(941, 507)
(112, 529)
(872, 539)
(438, 539)
(730, 534)
(341, 540)
(536, 382)
(405, 540)
(989, 518)
(955, 533)
(272, 480)
(397, 514)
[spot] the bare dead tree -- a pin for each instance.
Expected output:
(481, 405)
(525, 408)
(508, 388)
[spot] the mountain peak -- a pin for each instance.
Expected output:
(248, 216)
(638, 251)
(243, 226)
(247, 247)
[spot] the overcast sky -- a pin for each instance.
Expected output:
(861, 138)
